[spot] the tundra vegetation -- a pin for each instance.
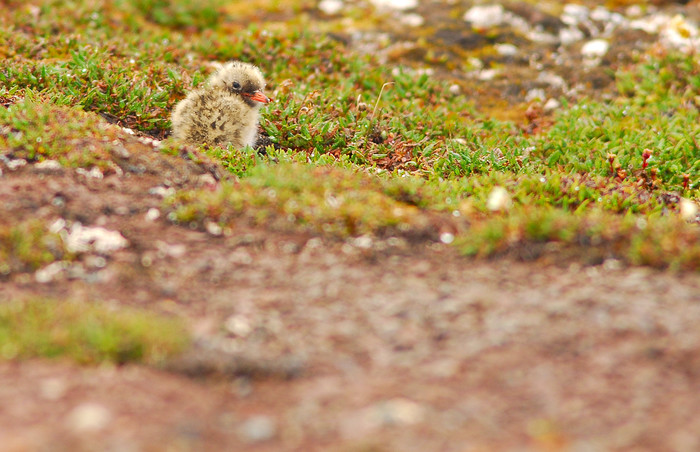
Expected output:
(355, 147)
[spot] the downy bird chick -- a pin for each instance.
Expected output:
(225, 111)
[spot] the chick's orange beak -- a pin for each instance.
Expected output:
(259, 97)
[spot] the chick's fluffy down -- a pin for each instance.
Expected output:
(221, 113)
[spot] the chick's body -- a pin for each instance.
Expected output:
(224, 112)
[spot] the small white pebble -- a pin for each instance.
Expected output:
(330, 7)
(400, 5)
(152, 214)
(506, 49)
(551, 105)
(535, 94)
(48, 273)
(412, 20)
(498, 199)
(93, 173)
(363, 242)
(485, 16)
(238, 325)
(213, 228)
(258, 429)
(89, 417)
(447, 237)
(688, 209)
(48, 165)
(595, 48)
(161, 191)
(15, 164)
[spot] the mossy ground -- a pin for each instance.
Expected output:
(361, 147)
(89, 333)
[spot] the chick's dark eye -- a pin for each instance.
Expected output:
(236, 85)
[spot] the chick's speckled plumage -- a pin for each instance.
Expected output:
(225, 111)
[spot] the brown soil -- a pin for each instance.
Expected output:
(307, 344)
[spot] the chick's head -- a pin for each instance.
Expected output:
(240, 79)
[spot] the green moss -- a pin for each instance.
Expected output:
(27, 246)
(362, 147)
(87, 333)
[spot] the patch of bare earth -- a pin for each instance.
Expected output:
(304, 344)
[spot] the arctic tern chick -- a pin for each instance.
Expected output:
(225, 111)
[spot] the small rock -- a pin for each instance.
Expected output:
(596, 48)
(89, 417)
(485, 16)
(15, 164)
(688, 209)
(48, 273)
(535, 94)
(258, 429)
(400, 5)
(570, 35)
(551, 105)
(213, 228)
(363, 242)
(412, 20)
(153, 214)
(574, 14)
(239, 325)
(330, 7)
(447, 237)
(82, 239)
(93, 173)
(49, 165)
(499, 199)
(161, 191)
(399, 411)
(506, 49)
(487, 74)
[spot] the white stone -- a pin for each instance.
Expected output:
(153, 214)
(412, 20)
(499, 199)
(48, 273)
(485, 16)
(595, 48)
(574, 14)
(89, 417)
(48, 165)
(238, 325)
(82, 239)
(330, 7)
(213, 228)
(506, 49)
(15, 164)
(551, 105)
(688, 209)
(447, 237)
(258, 429)
(363, 242)
(400, 5)
(570, 35)
(535, 94)
(399, 411)
(161, 191)
(93, 173)
(487, 74)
